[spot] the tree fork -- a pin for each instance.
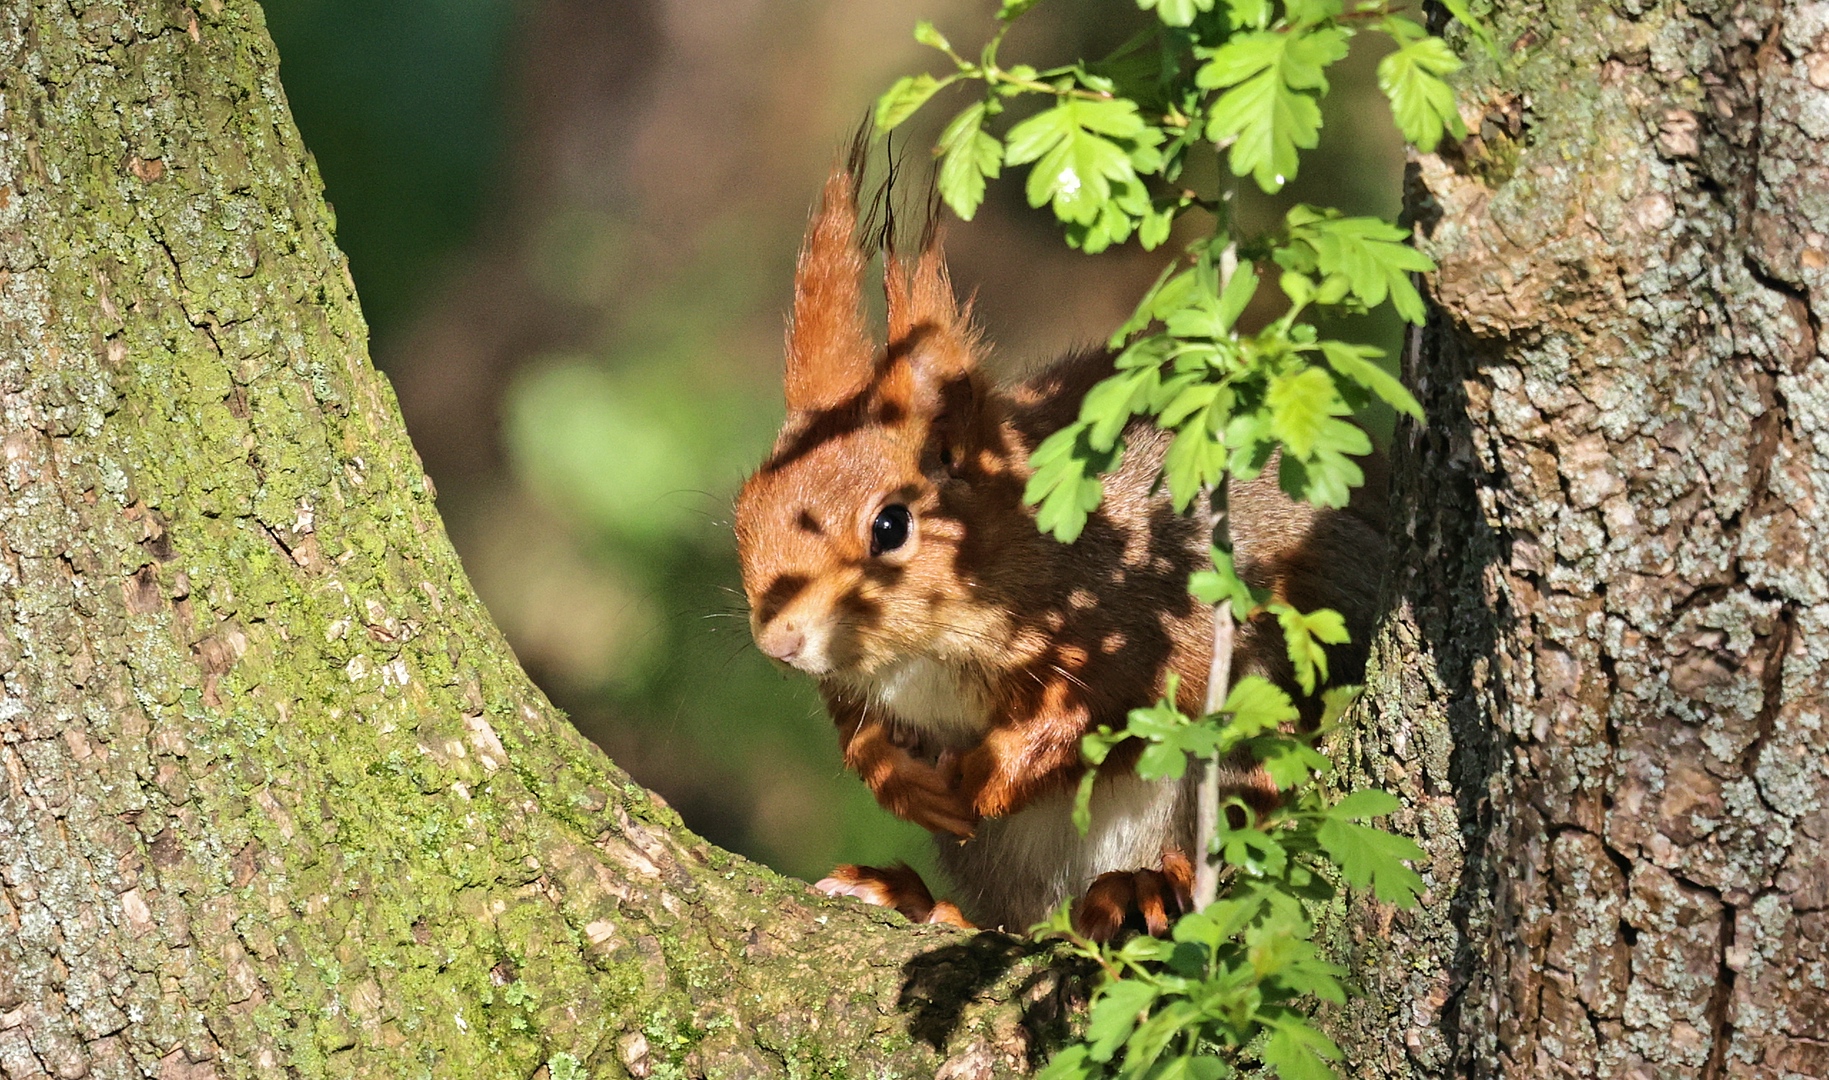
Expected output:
(274, 797)
(1602, 689)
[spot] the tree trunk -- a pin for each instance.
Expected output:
(274, 797)
(1603, 686)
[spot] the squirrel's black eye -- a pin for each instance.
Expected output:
(890, 529)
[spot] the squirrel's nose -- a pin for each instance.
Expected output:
(783, 641)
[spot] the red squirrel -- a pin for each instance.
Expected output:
(886, 551)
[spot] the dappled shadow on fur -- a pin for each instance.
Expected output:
(938, 985)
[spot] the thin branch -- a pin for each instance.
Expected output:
(1219, 670)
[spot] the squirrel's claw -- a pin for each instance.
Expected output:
(1154, 896)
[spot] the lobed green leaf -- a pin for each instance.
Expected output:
(1116, 1007)
(968, 155)
(1268, 110)
(901, 100)
(1298, 1051)
(1372, 856)
(1421, 102)
(1305, 635)
(1369, 257)
(1358, 364)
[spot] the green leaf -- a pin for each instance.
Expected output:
(1421, 102)
(1012, 8)
(1082, 801)
(1236, 296)
(1304, 635)
(1176, 12)
(1252, 850)
(1153, 230)
(1223, 583)
(1190, 400)
(1250, 13)
(1065, 486)
(1115, 1008)
(1111, 403)
(1072, 1063)
(926, 34)
(1303, 410)
(1365, 804)
(1256, 705)
(967, 156)
(1288, 761)
(1371, 256)
(909, 93)
(1372, 856)
(1358, 364)
(1327, 479)
(1297, 1051)
(1176, 293)
(1077, 161)
(1268, 109)
(1154, 1034)
(1196, 460)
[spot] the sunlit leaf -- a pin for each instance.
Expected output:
(1268, 110)
(1065, 486)
(1305, 635)
(1358, 363)
(909, 93)
(1176, 12)
(1421, 102)
(968, 155)
(1372, 856)
(1255, 705)
(1371, 256)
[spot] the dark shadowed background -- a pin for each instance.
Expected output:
(573, 224)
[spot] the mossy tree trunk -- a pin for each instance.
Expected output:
(1605, 682)
(275, 799)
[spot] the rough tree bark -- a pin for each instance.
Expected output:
(274, 797)
(1603, 686)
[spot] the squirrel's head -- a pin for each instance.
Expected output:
(849, 551)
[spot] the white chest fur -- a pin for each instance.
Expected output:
(1018, 868)
(938, 699)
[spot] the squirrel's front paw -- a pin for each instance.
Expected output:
(1153, 896)
(898, 887)
(913, 789)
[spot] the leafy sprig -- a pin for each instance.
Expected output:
(1230, 983)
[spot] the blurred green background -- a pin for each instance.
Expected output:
(573, 224)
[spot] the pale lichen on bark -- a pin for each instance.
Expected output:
(274, 798)
(1603, 692)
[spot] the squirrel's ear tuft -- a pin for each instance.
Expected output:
(933, 353)
(829, 354)
(927, 327)
(920, 295)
